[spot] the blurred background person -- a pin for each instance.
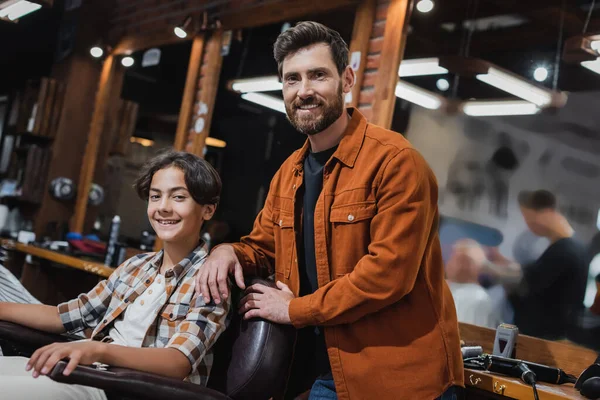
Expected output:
(473, 304)
(547, 295)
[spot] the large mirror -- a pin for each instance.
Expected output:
(490, 96)
(144, 122)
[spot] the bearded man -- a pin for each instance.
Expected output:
(349, 229)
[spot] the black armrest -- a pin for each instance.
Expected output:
(135, 384)
(17, 339)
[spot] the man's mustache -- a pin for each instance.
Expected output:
(307, 102)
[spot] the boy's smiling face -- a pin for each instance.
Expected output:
(172, 211)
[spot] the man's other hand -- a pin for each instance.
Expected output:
(267, 303)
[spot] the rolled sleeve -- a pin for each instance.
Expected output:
(203, 325)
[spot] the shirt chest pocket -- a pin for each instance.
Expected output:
(121, 291)
(174, 313)
(283, 232)
(350, 226)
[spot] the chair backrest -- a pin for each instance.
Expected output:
(252, 358)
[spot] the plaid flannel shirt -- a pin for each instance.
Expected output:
(185, 322)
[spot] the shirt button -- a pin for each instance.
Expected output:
(296, 260)
(142, 302)
(350, 217)
(150, 291)
(158, 280)
(280, 222)
(294, 187)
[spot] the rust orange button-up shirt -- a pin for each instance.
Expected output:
(389, 318)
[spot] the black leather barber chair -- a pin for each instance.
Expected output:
(252, 361)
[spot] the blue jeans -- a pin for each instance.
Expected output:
(325, 390)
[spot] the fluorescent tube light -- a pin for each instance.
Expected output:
(499, 108)
(14, 10)
(265, 100)
(419, 96)
(516, 86)
(262, 84)
(593, 66)
(421, 67)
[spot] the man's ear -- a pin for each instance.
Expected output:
(209, 211)
(348, 78)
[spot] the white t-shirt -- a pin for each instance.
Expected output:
(131, 327)
(474, 305)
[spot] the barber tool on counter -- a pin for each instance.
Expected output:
(528, 372)
(111, 251)
(588, 382)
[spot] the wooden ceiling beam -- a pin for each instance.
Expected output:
(238, 18)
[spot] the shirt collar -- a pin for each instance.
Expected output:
(349, 146)
(181, 268)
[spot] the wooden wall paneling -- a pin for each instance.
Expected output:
(56, 111)
(359, 44)
(208, 85)
(128, 119)
(110, 132)
(78, 74)
(49, 104)
(40, 105)
(392, 50)
(189, 93)
(101, 110)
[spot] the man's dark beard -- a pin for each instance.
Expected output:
(311, 126)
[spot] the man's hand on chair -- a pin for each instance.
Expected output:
(211, 281)
(268, 303)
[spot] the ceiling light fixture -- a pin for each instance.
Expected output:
(142, 141)
(262, 84)
(516, 86)
(127, 61)
(418, 96)
(265, 100)
(15, 9)
(181, 30)
(595, 45)
(488, 108)
(421, 67)
(540, 74)
(425, 6)
(96, 51)
(442, 84)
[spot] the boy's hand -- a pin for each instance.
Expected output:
(268, 303)
(211, 281)
(45, 358)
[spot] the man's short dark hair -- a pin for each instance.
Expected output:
(537, 200)
(305, 34)
(201, 179)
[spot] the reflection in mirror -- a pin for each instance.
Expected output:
(500, 99)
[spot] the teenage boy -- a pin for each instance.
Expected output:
(145, 316)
